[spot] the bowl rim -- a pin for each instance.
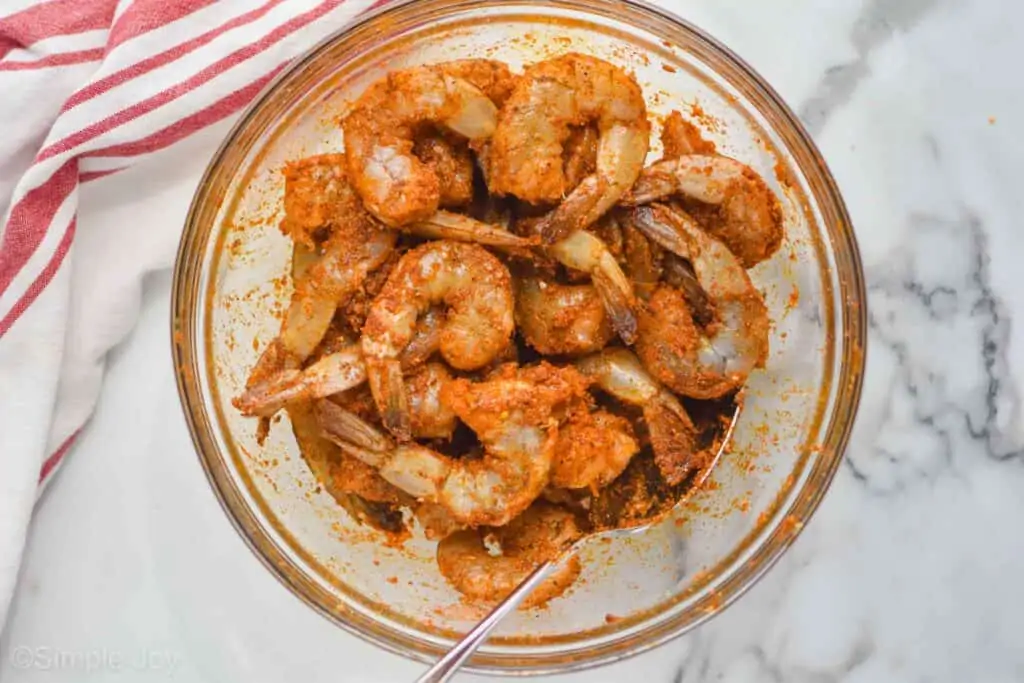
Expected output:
(839, 417)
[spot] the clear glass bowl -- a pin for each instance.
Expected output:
(635, 593)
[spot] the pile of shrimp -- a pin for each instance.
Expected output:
(506, 329)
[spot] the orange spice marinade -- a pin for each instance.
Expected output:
(507, 331)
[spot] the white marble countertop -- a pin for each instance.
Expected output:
(910, 571)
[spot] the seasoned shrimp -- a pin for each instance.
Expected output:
(452, 163)
(427, 339)
(561, 319)
(357, 487)
(490, 76)
(540, 534)
(477, 290)
(642, 261)
(710, 362)
(515, 415)
(648, 265)
(584, 252)
(429, 417)
(321, 202)
(352, 311)
(349, 255)
(396, 186)
(580, 156)
(455, 226)
(678, 273)
(275, 357)
(553, 96)
(609, 231)
(673, 435)
(336, 371)
(317, 195)
(593, 448)
(341, 472)
(747, 217)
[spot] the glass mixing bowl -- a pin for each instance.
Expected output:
(230, 287)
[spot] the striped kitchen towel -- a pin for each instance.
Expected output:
(87, 89)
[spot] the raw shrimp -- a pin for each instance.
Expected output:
(353, 484)
(455, 226)
(452, 163)
(710, 362)
(553, 96)
(317, 195)
(491, 76)
(673, 435)
(561, 319)
(515, 414)
(341, 473)
(477, 290)
(583, 251)
(427, 339)
(678, 273)
(648, 265)
(747, 216)
(580, 155)
(321, 201)
(348, 256)
(458, 97)
(609, 231)
(540, 534)
(593, 448)
(642, 261)
(429, 417)
(275, 357)
(352, 311)
(333, 373)
(337, 371)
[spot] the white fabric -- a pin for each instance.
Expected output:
(52, 358)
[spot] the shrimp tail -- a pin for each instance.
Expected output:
(426, 341)
(673, 438)
(660, 224)
(370, 457)
(617, 293)
(452, 226)
(584, 251)
(348, 429)
(649, 188)
(263, 399)
(411, 468)
(620, 159)
(574, 213)
(389, 392)
(272, 361)
(619, 304)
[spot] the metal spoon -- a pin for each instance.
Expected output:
(446, 667)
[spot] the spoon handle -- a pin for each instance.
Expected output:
(457, 656)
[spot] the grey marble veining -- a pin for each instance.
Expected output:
(910, 571)
(877, 22)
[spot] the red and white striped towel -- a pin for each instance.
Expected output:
(89, 88)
